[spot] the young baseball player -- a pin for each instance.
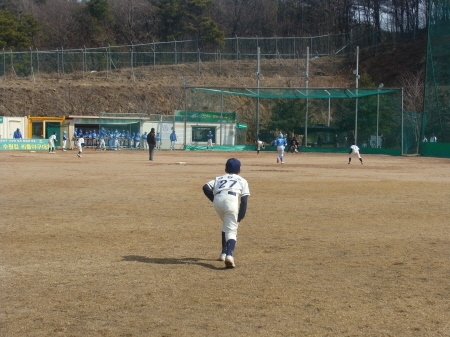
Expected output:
(51, 143)
(225, 191)
(259, 145)
(354, 149)
(80, 144)
(64, 140)
(158, 141)
(209, 137)
(173, 140)
(280, 143)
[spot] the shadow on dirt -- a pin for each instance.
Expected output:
(187, 260)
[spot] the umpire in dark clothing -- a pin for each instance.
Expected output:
(151, 141)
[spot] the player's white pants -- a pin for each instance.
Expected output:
(80, 148)
(64, 144)
(209, 143)
(357, 152)
(102, 144)
(172, 145)
(227, 207)
(280, 150)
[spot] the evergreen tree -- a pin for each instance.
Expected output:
(17, 32)
(186, 19)
(287, 115)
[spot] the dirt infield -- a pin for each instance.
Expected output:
(114, 245)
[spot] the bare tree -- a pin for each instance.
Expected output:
(134, 21)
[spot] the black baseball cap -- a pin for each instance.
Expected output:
(233, 165)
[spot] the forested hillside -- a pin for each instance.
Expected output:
(51, 24)
(395, 57)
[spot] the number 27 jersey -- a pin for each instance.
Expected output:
(230, 182)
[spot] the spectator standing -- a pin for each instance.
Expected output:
(424, 139)
(336, 140)
(51, 143)
(433, 138)
(320, 141)
(17, 134)
(151, 141)
(173, 140)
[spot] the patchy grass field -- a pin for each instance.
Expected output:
(114, 245)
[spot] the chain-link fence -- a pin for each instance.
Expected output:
(283, 56)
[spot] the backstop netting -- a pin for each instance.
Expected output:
(437, 82)
(372, 117)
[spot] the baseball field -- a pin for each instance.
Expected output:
(111, 244)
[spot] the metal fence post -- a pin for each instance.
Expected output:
(154, 56)
(199, 61)
(4, 64)
(37, 59)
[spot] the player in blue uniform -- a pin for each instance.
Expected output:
(209, 136)
(158, 141)
(144, 140)
(225, 191)
(64, 140)
(173, 139)
(137, 140)
(101, 139)
(280, 143)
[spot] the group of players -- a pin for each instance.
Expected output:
(281, 143)
(113, 139)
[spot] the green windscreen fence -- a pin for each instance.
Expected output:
(437, 83)
(339, 115)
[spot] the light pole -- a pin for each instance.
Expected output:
(307, 85)
(185, 83)
(356, 72)
(329, 106)
(258, 75)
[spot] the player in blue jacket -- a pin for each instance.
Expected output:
(137, 140)
(158, 141)
(144, 140)
(280, 143)
(64, 141)
(209, 137)
(173, 139)
(225, 192)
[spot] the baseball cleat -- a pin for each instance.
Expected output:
(229, 262)
(222, 257)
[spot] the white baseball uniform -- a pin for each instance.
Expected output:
(227, 190)
(354, 149)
